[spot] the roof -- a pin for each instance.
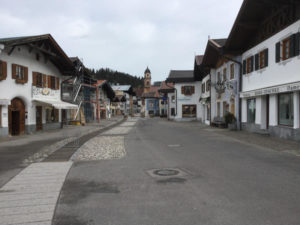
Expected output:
(178, 76)
(121, 87)
(153, 92)
(198, 59)
(138, 91)
(254, 15)
(166, 87)
(106, 86)
(157, 83)
(46, 44)
(212, 52)
(147, 70)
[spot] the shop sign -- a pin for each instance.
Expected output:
(272, 90)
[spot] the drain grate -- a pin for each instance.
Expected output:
(166, 172)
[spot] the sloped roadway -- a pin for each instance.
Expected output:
(221, 182)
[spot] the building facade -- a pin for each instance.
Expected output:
(30, 84)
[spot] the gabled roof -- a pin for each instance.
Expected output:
(153, 92)
(138, 91)
(166, 87)
(214, 48)
(106, 86)
(46, 45)
(178, 76)
(252, 15)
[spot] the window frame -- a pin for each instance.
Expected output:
(1, 68)
(224, 74)
(249, 65)
(191, 115)
(262, 59)
(53, 82)
(292, 109)
(248, 100)
(219, 76)
(20, 69)
(0, 115)
(39, 76)
(207, 84)
(188, 90)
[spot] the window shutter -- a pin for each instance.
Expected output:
(256, 61)
(297, 44)
(49, 81)
(34, 75)
(57, 83)
(277, 59)
(13, 71)
(182, 90)
(252, 63)
(44, 81)
(25, 74)
(193, 89)
(4, 70)
(293, 45)
(266, 57)
(244, 66)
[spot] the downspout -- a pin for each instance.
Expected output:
(240, 86)
(210, 99)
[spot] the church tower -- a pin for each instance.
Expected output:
(147, 80)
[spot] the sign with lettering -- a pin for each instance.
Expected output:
(272, 90)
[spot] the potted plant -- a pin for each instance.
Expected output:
(230, 121)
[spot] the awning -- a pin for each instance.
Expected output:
(4, 102)
(57, 104)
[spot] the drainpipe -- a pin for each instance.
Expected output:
(240, 86)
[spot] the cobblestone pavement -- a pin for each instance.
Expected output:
(108, 145)
(31, 196)
(101, 147)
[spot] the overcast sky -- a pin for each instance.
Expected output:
(124, 35)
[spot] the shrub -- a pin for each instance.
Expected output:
(229, 118)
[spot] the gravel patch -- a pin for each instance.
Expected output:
(100, 148)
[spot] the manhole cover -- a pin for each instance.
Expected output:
(166, 172)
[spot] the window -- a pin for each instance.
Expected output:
(251, 110)
(219, 77)
(224, 74)
(52, 115)
(262, 60)
(203, 88)
(39, 80)
(286, 109)
(208, 85)
(172, 111)
(225, 108)
(189, 111)
(286, 49)
(187, 90)
(53, 82)
(218, 109)
(20, 72)
(0, 115)
(173, 98)
(231, 71)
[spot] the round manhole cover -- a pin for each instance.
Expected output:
(166, 172)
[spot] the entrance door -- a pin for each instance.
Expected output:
(267, 110)
(15, 122)
(16, 117)
(39, 118)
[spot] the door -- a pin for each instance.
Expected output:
(16, 117)
(39, 118)
(15, 122)
(64, 116)
(267, 111)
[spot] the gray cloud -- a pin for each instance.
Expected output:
(124, 35)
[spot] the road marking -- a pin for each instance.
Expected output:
(174, 146)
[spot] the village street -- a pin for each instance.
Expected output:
(218, 179)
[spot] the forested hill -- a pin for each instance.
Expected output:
(117, 77)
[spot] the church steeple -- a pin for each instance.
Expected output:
(147, 80)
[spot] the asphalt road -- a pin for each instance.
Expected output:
(224, 182)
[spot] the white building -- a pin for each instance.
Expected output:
(271, 62)
(187, 91)
(31, 71)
